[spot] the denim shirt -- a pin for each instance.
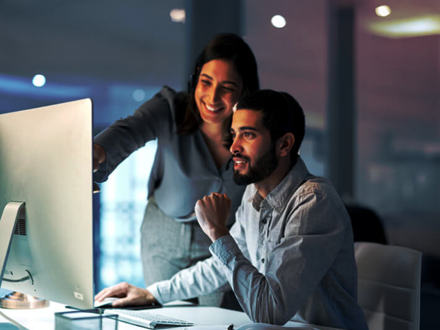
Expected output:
(288, 257)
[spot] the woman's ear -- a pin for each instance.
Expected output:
(285, 144)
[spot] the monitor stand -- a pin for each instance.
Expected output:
(11, 213)
(17, 300)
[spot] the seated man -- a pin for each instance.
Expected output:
(289, 255)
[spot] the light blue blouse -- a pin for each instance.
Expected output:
(183, 170)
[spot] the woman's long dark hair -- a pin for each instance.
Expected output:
(229, 47)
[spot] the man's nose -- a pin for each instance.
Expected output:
(235, 146)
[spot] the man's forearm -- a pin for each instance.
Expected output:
(258, 295)
(201, 279)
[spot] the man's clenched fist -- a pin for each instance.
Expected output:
(212, 214)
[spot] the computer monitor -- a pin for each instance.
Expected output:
(46, 163)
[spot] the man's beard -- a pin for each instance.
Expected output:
(264, 167)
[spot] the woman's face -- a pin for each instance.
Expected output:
(218, 89)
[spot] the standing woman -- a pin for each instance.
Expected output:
(192, 158)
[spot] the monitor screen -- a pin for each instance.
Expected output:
(46, 162)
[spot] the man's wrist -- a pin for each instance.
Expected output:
(153, 289)
(150, 298)
(216, 233)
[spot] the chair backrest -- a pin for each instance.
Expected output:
(389, 285)
(366, 223)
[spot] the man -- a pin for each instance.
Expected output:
(289, 256)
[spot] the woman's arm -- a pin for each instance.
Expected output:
(151, 120)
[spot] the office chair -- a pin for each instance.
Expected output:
(389, 285)
(366, 223)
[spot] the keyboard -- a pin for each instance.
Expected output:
(146, 319)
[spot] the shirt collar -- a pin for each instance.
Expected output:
(278, 197)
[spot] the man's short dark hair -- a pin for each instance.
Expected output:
(281, 114)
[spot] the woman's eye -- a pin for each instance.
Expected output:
(205, 82)
(229, 89)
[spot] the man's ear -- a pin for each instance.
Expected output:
(285, 144)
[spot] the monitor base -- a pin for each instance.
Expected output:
(17, 300)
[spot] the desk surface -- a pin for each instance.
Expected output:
(204, 317)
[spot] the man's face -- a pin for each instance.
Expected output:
(253, 152)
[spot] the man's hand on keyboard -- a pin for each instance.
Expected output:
(128, 295)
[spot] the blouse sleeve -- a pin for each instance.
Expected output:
(151, 120)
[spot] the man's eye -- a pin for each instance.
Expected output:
(248, 135)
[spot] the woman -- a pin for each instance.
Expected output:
(192, 159)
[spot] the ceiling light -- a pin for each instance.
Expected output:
(278, 21)
(39, 80)
(383, 11)
(178, 15)
(411, 27)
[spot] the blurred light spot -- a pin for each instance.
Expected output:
(138, 95)
(20, 86)
(383, 11)
(39, 80)
(278, 21)
(178, 15)
(411, 27)
(415, 26)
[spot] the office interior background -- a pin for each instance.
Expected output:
(369, 85)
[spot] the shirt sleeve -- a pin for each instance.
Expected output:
(126, 135)
(296, 265)
(203, 278)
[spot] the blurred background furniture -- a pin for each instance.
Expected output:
(366, 223)
(389, 285)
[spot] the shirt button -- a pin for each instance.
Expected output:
(264, 221)
(262, 260)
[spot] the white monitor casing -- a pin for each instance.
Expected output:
(46, 162)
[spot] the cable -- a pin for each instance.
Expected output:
(29, 277)
(20, 326)
(18, 280)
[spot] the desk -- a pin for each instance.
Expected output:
(205, 317)
(209, 318)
